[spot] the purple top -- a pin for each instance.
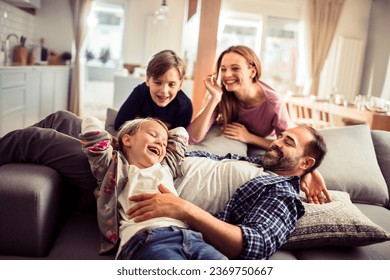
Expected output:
(269, 118)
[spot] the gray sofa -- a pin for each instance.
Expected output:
(44, 217)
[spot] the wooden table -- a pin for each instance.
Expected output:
(376, 121)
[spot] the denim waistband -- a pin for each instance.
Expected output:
(159, 230)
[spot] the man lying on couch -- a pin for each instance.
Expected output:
(261, 214)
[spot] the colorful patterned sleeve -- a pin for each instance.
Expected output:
(96, 144)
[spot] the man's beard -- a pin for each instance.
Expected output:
(274, 160)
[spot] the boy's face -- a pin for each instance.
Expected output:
(147, 146)
(164, 89)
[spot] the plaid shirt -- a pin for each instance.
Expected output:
(266, 208)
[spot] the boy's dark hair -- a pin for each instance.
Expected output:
(164, 60)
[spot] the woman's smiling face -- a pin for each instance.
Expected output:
(235, 73)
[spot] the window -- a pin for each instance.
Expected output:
(280, 55)
(105, 34)
(239, 30)
(274, 40)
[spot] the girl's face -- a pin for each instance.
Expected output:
(235, 72)
(164, 89)
(147, 146)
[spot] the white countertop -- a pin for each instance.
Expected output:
(31, 67)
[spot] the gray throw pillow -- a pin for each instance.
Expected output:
(336, 223)
(110, 121)
(351, 165)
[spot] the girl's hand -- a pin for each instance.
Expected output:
(213, 87)
(238, 132)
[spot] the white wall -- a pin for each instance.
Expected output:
(53, 22)
(137, 32)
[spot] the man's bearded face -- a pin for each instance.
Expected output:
(275, 160)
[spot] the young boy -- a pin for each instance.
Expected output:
(160, 96)
(141, 164)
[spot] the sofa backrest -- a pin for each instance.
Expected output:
(381, 140)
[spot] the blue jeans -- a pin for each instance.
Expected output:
(170, 243)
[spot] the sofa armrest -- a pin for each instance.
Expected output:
(29, 207)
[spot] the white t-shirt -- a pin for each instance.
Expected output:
(140, 181)
(210, 183)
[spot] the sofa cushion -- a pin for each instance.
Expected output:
(336, 223)
(351, 165)
(218, 144)
(381, 141)
(378, 251)
(110, 121)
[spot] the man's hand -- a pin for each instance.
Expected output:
(313, 185)
(225, 237)
(153, 205)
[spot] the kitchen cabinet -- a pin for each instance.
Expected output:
(19, 99)
(28, 94)
(54, 90)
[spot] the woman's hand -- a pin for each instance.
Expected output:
(238, 132)
(213, 87)
(153, 205)
(313, 185)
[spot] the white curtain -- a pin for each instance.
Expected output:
(323, 17)
(80, 10)
(386, 85)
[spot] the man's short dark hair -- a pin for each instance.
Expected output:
(315, 148)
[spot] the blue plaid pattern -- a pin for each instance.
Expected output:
(266, 208)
